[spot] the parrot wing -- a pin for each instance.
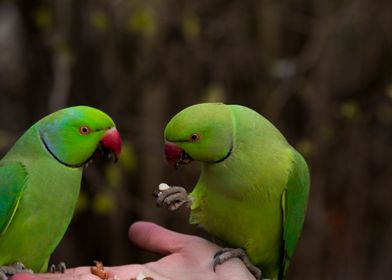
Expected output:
(294, 203)
(12, 182)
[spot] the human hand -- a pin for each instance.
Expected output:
(186, 257)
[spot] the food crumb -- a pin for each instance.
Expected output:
(99, 270)
(141, 276)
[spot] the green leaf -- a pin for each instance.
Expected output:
(83, 202)
(113, 176)
(214, 93)
(350, 110)
(43, 18)
(305, 147)
(191, 27)
(128, 158)
(99, 20)
(103, 204)
(143, 22)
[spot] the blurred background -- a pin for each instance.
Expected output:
(319, 70)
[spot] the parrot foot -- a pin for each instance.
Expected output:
(12, 269)
(228, 253)
(172, 198)
(60, 267)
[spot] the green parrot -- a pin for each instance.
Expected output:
(40, 181)
(253, 189)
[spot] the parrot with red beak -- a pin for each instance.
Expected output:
(40, 180)
(253, 189)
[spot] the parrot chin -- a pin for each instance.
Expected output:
(103, 153)
(108, 148)
(175, 155)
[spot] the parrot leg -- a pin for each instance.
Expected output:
(172, 198)
(10, 270)
(61, 267)
(228, 253)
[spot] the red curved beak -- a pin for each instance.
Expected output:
(175, 155)
(112, 142)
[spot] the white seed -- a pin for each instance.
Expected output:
(140, 276)
(163, 187)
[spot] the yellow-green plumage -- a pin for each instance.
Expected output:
(253, 189)
(40, 180)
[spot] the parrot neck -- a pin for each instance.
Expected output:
(53, 154)
(226, 156)
(57, 158)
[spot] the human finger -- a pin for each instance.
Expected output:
(154, 238)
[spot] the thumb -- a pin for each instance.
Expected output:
(154, 238)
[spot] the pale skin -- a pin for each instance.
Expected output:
(185, 257)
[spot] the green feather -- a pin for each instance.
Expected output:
(13, 178)
(247, 167)
(39, 183)
(294, 203)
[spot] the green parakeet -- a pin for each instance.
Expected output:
(40, 180)
(253, 189)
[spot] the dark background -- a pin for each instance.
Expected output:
(319, 70)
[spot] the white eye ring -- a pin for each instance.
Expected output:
(84, 130)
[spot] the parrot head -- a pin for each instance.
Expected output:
(202, 132)
(76, 135)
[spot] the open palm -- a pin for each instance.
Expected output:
(185, 257)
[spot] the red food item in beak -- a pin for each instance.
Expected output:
(112, 141)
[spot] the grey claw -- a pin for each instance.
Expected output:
(172, 198)
(60, 267)
(52, 268)
(3, 276)
(9, 270)
(228, 253)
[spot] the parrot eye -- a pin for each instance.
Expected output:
(194, 137)
(84, 130)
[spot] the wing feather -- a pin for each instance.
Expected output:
(294, 204)
(12, 182)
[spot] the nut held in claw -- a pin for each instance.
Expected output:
(163, 187)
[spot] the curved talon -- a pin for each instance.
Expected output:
(9, 270)
(60, 267)
(228, 253)
(156, 194)
(172, 198)
(52, 268)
